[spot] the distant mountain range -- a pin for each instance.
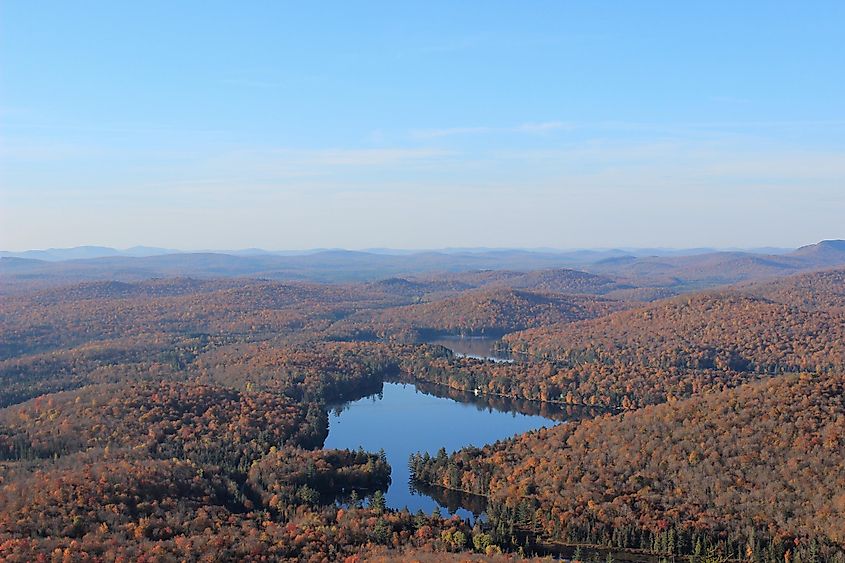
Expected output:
(656, 268)
(86, 252)
(574, 256)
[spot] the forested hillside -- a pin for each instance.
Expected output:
(724, 331)
(820, 290)
(481, 312)
(760, 468)
(169, 417)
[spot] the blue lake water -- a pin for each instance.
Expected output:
(478, 347)
(403, 420)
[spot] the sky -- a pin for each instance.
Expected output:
(293, 125)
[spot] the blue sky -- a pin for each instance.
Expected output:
(421, 124)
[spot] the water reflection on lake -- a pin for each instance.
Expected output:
(402, 420)
(479, 347)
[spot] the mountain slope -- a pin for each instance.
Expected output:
(763, 462)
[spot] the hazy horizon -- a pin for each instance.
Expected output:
(471, 249)
(213, 125)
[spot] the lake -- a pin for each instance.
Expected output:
(479, 347)
(403, 419)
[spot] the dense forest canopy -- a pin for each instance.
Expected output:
(185, 417)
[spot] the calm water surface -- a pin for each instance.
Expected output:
(479, 347)
(403, 420)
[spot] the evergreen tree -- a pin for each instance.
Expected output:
(378, 502)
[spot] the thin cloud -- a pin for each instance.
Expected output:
(545, 126)
(541, 127)
(365, 157)
(729, 100)
(319, 161)
(289, 164)
(676, 128)
(449, 132)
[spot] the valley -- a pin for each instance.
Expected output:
(532, 412)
